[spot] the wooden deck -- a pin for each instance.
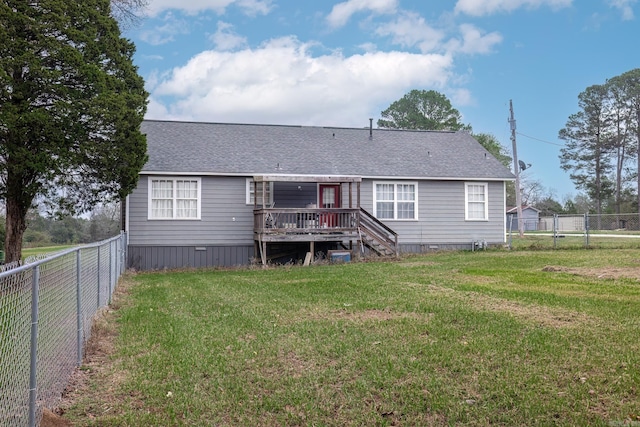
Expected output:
(350, 227)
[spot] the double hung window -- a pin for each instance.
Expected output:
(395, 200)
(476, 205)
(251, 192)
(174, 198)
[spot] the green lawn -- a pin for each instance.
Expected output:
(461, 338)
(44, 250)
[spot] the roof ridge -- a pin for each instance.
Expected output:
(296, 126)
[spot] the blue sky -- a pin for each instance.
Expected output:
(337, 63)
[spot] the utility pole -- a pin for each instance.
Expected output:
(516, 170)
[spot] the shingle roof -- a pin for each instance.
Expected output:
(237, 149)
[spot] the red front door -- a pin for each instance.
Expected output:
(329, 199)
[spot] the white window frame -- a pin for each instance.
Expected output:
(467, 211)
(174, 181)
(250, 193)
(395, 200)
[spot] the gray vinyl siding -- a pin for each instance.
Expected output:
(441, 215)
(225, 218)
(146, 258)
(224, 234)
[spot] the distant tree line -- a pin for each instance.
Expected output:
(42, 230)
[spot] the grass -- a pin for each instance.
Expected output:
(461, 338)
(44, 250)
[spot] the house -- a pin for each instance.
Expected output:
(530, 218)
(216, 194)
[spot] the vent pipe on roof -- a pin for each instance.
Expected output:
(370, 128)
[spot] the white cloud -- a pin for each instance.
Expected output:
(625, 7)
(166, 32)
(225, 38)
(249, 7)
(411, 30)
(153, 57)
(489, 7)
(474, 41)
(342, 12)
(461, 97)
(281, 79)
(368, 47)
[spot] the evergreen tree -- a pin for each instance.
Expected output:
(72, 103)
(587, 153)
(628, 85)
(421, 109)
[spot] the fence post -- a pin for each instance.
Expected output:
(118, 260)
(586, 230)
(79, 306)
(110, 268)
(33, 386)
(555, 230)
(510, 230)
(123, 253)
(125, 247)
(99, 268)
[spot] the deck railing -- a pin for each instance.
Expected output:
(303, 220)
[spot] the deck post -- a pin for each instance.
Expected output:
(264, 253)
(312, 249)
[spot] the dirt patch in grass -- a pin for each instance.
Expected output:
(357, 316)
(599, 273)
(545, 316)
(542, 315)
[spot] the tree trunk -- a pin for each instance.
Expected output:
(598, 181)
(619, 171)
(15, 226)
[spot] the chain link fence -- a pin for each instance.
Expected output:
(574, 231)
(46, 308)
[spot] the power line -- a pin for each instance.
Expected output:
(541, 140)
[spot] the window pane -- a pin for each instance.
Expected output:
(187, 189)
(476, 193)
(384, 210)
(162, 189)
(406, 210)
(384, 192)
(328, 197)
(162, 208)
(406, 192)
(186, 209)
(476, 211)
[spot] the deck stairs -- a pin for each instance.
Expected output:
(376, 236)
